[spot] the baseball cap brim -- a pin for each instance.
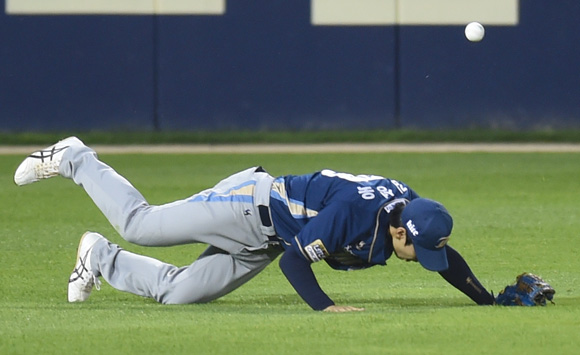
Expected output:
(433, 260)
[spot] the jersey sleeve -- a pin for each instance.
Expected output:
(461, 277)
(333, 228)
(299, 273)
(320, 237)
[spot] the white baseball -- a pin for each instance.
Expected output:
(474, 31)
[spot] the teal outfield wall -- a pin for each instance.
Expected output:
(263, 64)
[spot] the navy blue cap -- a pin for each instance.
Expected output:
(429, 225)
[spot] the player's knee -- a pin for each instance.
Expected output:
(132, 238)
(133, 230)
(139, 238)
(188, 291)
(177, 296)
(185, 300)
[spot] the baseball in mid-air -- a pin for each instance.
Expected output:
(474, 31)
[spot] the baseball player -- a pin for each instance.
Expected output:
(248, 220)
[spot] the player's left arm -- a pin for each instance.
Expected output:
(321, 236)
(299, 273)
(460, 275)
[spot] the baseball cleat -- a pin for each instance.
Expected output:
(44, 163)
(82, 279)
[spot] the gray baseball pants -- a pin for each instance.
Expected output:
(227, 217)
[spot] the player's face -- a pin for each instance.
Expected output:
(404, 252)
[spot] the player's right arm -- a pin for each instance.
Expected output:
(460, 275)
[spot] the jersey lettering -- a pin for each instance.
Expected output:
(387, 193)
(402, 189)
(366, 192)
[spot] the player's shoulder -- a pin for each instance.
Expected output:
(347, 177)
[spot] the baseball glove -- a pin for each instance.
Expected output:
(529, 290)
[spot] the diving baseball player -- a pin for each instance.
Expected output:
(248, 220)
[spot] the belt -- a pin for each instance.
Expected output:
(264, 212)
(265, 215)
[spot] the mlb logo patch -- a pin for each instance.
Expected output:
(316, 250)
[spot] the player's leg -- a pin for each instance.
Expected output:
(213, 275)
(224, 216)
(114, 195)
(71, 158)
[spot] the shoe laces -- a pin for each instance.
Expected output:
(46, 169)
(96, 282)
(89, 282)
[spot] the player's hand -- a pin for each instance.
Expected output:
(342, 309)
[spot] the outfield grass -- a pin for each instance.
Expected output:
(513, 213)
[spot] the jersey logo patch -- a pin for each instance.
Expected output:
(316, 250)
(391, 206)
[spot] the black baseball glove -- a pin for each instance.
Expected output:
(529, 290)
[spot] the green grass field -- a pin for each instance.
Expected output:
(512, 212)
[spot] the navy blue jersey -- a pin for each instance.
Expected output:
(338, 217)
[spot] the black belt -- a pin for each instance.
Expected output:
(265, 215)
(267, 222)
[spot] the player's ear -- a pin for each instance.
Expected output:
(401, 233)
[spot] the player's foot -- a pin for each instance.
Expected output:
(82, 279)
(44, 163)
